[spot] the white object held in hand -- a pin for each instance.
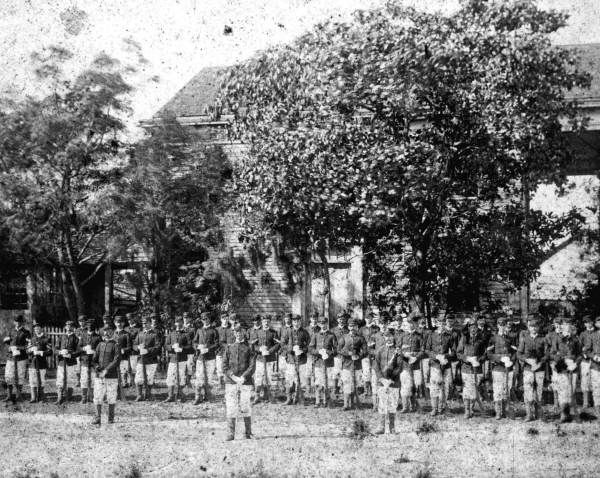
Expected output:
(142, 350)
(474, 362)
(88, 349)
(297, 350)
(15, 351)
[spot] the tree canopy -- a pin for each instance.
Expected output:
(417, 136)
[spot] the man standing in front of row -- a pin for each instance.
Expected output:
(16, 360)
(238, 367)
(106, 361)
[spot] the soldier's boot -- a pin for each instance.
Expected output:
(97, 418)
(84, 395)
(405, 405)
(230, 429)
(346, 402)
(301, 400)
(317, 397)
(471, 406)
(368, 390)
(597, 409)
(336, 387)
(586, 402)
(170, 397)
(41, 395)
(467, 406)
(498, 409)
(148, 395)
(555, 400)
(9, 397)
(34, 395)
(138, 397)
(111, 413)
(381, 428)
(289, 398)
(59, 396)
(180, 394)
(434, 406)
(391, 422)
(197, 397)
(529, 412)
(257, 395)
(69, 394)
(565, 414)
(247, 427)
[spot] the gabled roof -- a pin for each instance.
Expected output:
(195, 98)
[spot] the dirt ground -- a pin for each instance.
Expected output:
(152, 439)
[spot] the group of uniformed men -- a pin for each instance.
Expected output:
(390, 362)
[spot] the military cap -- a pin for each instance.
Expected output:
(296, 317)
(257, 318)
(501, 321)
(322, 320)
(205, 316)
(69, 321)
(587, 319)
(119, 319)
(597, 319)
(232, 316)
(352, 322)
(35, 323)
(567, 321)
(19, 319)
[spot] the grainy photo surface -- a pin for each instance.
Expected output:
(288, 238)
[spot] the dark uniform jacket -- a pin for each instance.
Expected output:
(70, 343)
(231, 335)
(123, 340)
(239, 360)
(410, 344)
(88, 338)
(42, 342)
(209, 338)
(182, 338)
(552, 338)
(301, 338)
(284, 335)
(388, 364)
(150, 340)
(530, 347)
(107, 357)
(191, 333)
(586, 337)
(133, 333)
(503, 346)
(223, 334)
(323, 340)
(266, 338)
(440, 342)
(566, 348)
(349, 345)
(593, 350)
(473, 344)
(17, 339)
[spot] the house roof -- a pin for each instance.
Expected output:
(195, 98)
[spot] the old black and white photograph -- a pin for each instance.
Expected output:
(299, 238)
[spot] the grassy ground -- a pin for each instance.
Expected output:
(155, 439)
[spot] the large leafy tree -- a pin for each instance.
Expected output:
(418, 136)
(59, 161)
(169, 205)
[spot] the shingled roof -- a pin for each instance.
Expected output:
(199, 93)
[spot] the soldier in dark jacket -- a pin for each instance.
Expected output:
(177, 345)
(296, 372)
(190, 329)
(472, 353)
(133, 330)
(532, 353)
(265, 346)
(592, 350)
(123, 339)
(441, 349)
(16, 359)
(106, 360)
(387, 366)
(502, 354)
(352, 348)
(566, 353)
(322, 347)
(412, 349)
(149, 345)
(223, 331)
(206, 343)
(586, 338)
(66, 372)
(39, 349)
(238, 366)
(87, 345)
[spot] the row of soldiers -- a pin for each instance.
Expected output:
(389, 361)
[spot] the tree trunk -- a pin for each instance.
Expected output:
(327, 299)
